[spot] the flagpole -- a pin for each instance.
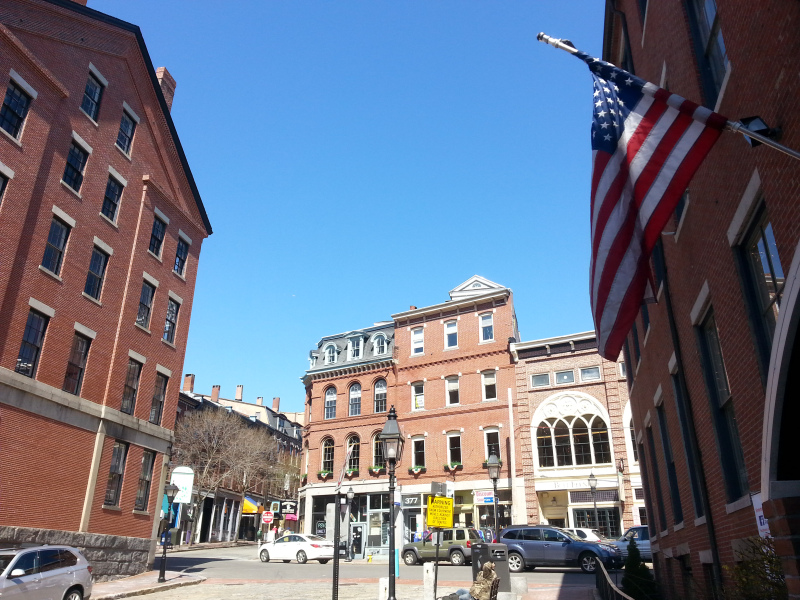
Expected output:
(733, 126)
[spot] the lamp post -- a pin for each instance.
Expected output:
(170, 491)
(493, 466)
(392, 439)
(593, 487)
(350, 495)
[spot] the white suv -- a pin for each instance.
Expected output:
(44, 573)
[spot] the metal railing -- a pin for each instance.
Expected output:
(606, 587)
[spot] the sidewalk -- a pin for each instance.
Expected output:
(145, 583)
(205, 546)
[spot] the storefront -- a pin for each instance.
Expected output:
(576, 508)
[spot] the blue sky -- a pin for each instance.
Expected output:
(357, 157)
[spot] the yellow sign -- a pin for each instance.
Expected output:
(440, 512)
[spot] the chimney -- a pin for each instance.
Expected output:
(239, 392)
(260, 400)
(167, 83)
(188, 383)
(412, 307)
(276, 404)
(215, 393)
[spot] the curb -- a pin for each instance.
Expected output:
(160, 587)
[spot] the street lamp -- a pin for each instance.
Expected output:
(170, 491)
(350, 495)
(493, 466)
(392, 439)
(593, 487)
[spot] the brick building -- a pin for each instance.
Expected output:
(447, 371)
(575, 420)
(714, 363)
(101, 225)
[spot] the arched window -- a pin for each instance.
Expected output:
(330, 355)
(355, 400)
(327, 455)
(580, 440)
(377, 453)
(633, 443)
(354, 448)
(330, 403)
(602, 449)
(380, 396)
(563, 446)
(380, 345)
(544, 441)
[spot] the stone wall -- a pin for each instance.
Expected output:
(111, 556)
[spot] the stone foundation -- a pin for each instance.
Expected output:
(111, 556)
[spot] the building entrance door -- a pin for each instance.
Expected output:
(357, 540)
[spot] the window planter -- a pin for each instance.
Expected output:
(352, 472)
(416, 470)
(452, 467)
(377, 470)
(324, 474)
(486, 465)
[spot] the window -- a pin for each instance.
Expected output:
(377, 453)
(723, 417)
(157, 236)
(73, 170)
(623, 371)
(15, 109)
(91, 97)
(542, 380)
(578, 440)
(131, 386)
(143, 490)
(669, 460)
(3, 184)
(645, 319)
(355, 348)
(76, 364)
(451, 334)
(686, 433)
(330, 403)
(127, 127)
(380, 396)
(28, 563)
(417, 341)
(31, 347)
(642, 515)
(629, 374)
(418, 447)
(489, 382)
(327, 455)
(355, 400)
(451, 384)
(111, 199)
(56, 244)
(709, 47)
(180, 256)
(565, 377)
(487, 327)
(330, 354)
(380, 345)
(492, 443)
(637, 353)
(115, 474)
(159, 393)
(145, 304)
(590, 374)
(633, 442)
(454, 449)
(418, 395)
(354, 449)
(97, 269)
(662, 516)
(171, 322)
(544, 443)
(600, 445)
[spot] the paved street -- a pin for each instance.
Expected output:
(237, 573)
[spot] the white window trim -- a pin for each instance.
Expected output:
(555, 377)
(140, 358)
(480, 327)
(449, 458)
(740, 224)
(64, 216)
(486, 432)
(599, 372)
(417, 438)
(184, 237)
(82, 143)
(17, 78)
(103, 246)
(116, 175)
(422, 338)
(375, 339)
(700, 305)
(536, 387)
(150, 279)
(724, 85)
(98, 75)
(350, 347)
(335, 354)
(6, 171)
(414, 396)
(161, 215)
(164, 371)
(85, 331)
(444, 329)
(175, 297)
(483, 386)
(131, 113)
(41, 307)
(447, 379)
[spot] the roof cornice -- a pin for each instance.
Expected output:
(342, 370)
(574, 337)
(474, 300)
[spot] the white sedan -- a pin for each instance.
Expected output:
(297, 546)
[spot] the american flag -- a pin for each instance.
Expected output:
(646, 145)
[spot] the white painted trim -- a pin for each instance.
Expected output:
(672, 365)
(163, 370)
(175, 297)
(17, 78)
(83, 330)
(664, 64)
(679, 228)
(63, 216)
(700, 304)
(724, 86)
(116, 175)
(658, 397)
(93, 70)
(744, 212)
(41, 307)
(131, 113)
(161, 215)
(103, 246)
(136, 356)
(186, 238)
(6, 171)
(739, 504)
(81, 142)
(646, 421)
(150, 279)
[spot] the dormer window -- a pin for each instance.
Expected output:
(355, 348)
(330, 355)
(380, 345)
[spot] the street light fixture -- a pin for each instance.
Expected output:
(350, 495)
(493, 466)
(170, 491)
(392, 439)
(593, 487)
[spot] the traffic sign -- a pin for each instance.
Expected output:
(440, 512)
(267, 517)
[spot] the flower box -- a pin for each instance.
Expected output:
(416, 470)
(351, 472)
(324, 474)
(377, 470)
(453, 467)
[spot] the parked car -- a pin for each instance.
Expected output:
(45, 572)
(642, 536)
(456, 547)
(593, 535)
(297, 546)
(542, 545)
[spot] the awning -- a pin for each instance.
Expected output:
(250, 506)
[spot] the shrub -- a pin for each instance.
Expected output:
(758, 575)
(637, 580)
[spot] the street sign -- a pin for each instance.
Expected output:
(484, 497)
(267, 517)
(183, 477)
(321, 527)
(288, 507)
(440, 512)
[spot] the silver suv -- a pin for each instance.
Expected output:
(44, 573)
(642, 537)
